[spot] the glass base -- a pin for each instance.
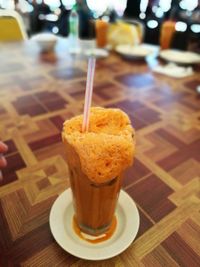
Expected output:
(98, 231)
(95, 235)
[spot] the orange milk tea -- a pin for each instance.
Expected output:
(96, 161)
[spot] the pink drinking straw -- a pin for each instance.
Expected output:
(88, 94)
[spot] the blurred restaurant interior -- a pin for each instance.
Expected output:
(147, 56)
(53, 16)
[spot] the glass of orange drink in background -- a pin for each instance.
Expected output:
(166, 35)
(101, 32)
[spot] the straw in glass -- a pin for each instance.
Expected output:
(88, 94)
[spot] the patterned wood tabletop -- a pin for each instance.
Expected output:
(37, 93)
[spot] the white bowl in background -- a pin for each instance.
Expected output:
(46, 41)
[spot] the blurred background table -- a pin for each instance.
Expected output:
(37, 93)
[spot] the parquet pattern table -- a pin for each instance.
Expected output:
(37, 93)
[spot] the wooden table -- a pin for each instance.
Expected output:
(37, 93)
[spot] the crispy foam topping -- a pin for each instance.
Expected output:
(107, 148)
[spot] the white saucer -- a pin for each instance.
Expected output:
(61, 227)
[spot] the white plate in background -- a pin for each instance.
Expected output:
(180, 57)
(97, 52)
(131, 52)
